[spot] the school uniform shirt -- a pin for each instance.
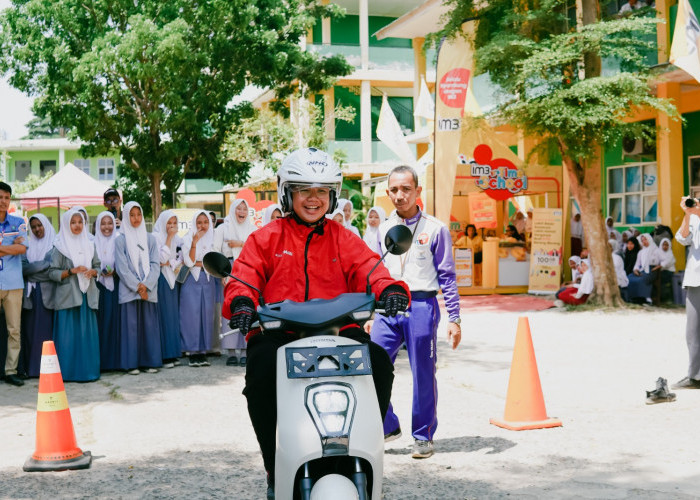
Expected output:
(586, 286)
(11, 265)
(428, 266)
(692, 264)
(622, 279)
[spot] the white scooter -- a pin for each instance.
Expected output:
(330, 441)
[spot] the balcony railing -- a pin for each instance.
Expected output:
(380, 58)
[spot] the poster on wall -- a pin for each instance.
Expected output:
(464, 266)
(546, 252)
(482, 210)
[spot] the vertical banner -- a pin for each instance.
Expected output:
(482, 211)
(546, 252)
(463, 266)
(455, 67)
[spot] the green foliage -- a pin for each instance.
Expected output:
(30, 183)
(548, 87)
(41, 128)
(267, 136)
(154, 79)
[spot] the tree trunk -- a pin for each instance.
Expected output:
(586, 188)
(156, 197)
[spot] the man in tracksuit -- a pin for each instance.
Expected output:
(427, 267)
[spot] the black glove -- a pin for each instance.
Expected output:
(393, 299)
(242, 314)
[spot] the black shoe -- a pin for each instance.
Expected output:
(686, 383)
(14, 380)
(395, 434)
(270, 493)
(243, 361)
(660, 394)
(232, 361)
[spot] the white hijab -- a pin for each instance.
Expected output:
(234, 230)
(267, 214)
(77, 247)
(371, 236)
(204, 245)
(647, 256)
(38, 248)
(105, 249)
(666, 259)
(86, 221)
(342, 202)
(160, 233)
(136, 239)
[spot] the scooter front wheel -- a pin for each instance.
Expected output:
(334, 486)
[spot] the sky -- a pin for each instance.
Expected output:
(15, 107)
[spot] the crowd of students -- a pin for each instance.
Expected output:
(642, 261)
(120, 298)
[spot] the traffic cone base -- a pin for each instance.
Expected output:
(525, 407)
(525, 426)
(83, 461)
(56, 446)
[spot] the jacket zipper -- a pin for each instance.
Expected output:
(306, 264)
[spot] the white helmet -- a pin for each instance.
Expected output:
(308, 167)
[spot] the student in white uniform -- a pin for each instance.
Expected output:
(346, 206)
(375, 217)
(229, 239)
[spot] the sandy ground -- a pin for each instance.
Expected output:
(185, 432)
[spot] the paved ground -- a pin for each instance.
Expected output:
(185, 432)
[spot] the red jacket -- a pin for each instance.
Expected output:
(288, 260)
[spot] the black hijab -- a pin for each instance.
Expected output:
(631, 255)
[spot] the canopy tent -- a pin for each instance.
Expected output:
(70, 185)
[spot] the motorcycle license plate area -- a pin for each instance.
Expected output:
(338, 361)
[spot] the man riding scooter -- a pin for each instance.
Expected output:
(300, 257)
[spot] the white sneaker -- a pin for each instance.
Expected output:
(151, 370)
(169, 365)
(559, 303)
(135, 371)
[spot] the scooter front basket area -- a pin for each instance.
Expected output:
(338, 361)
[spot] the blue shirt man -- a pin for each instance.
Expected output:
(13, 234)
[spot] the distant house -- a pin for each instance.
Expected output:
(20, 158)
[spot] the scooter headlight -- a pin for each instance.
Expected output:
(332, 408)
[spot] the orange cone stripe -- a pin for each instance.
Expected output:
(52, 401)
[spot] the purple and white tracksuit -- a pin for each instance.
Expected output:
(427, 267)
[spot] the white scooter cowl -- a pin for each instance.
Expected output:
(299, 441)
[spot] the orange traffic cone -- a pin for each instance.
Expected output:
(56, 447)
(524, 402)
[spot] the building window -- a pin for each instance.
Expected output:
(46, 166)
(83, 164)
(105, 168)
(632, 194)
(22, 169)
(694, 175)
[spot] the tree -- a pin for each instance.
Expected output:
(154, 80)
(551, 76)
(42, 128)
(267, 136)
(32, 182)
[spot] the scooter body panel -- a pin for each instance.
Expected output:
(298, 438)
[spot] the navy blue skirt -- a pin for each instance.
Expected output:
(108, 324)
(37, 327)
(140, 339)
(169, 314)
(77, 343)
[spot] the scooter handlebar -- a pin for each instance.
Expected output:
(237, 330)
(400, 313)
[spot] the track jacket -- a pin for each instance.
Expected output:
(288, 260)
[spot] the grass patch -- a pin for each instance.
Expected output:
(114, 394)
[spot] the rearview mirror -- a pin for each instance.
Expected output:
(398, 240)
(217, 264)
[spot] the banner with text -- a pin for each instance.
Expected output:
(483, 212)
(546, 252)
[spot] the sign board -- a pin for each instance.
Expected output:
(546, 251)
(464, 265)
